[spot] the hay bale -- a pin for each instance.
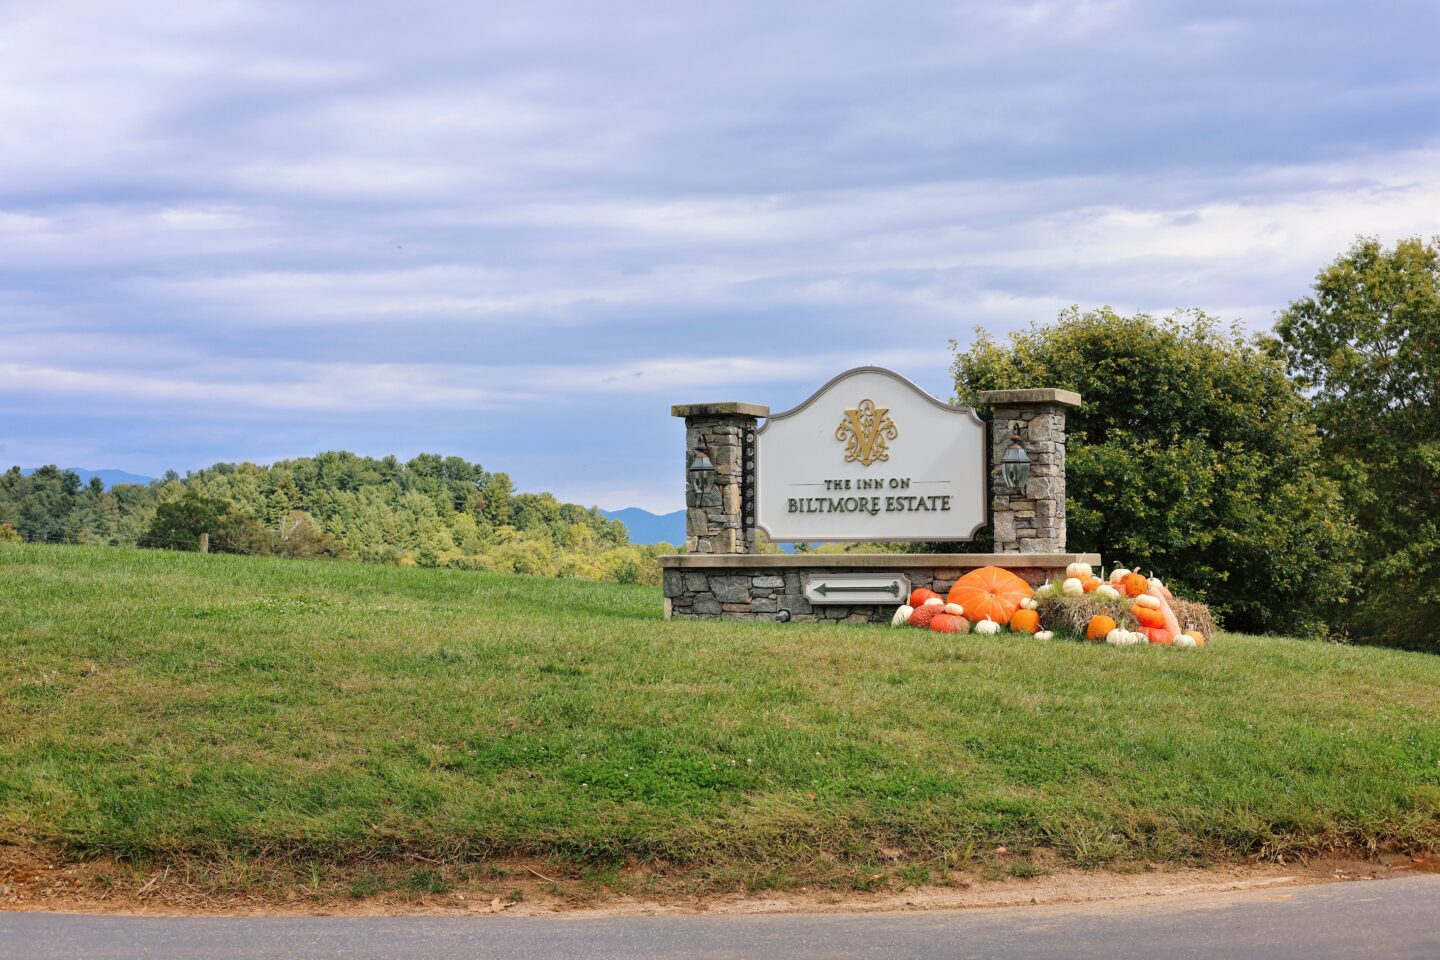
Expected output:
(1194, 615)
(1071, 615)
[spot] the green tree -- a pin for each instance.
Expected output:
(1192, 455)
(1366, 346)
(179, 522)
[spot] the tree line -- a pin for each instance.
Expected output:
(430, 511)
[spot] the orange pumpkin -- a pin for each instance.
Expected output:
(1133, 584)
(1098, 627)
(949, 623)
(919, 595)
(1025, 621)
(1195, 635)
(1090, 584)
(990, 593)
(1159, 635)
(1148, 616)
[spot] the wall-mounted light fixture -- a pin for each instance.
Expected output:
(701, 470)
(1015, 464)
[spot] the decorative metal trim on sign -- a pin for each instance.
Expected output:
(747, 486)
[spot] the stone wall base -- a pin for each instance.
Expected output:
(760, 587)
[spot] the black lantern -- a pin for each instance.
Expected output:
(1015, 464)
(701, 470)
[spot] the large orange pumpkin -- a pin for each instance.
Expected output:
(990, 593)
(1025, 621)
(1098, 627)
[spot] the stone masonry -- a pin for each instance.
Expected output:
(1031, 520)
(761, 587)
(715, 521)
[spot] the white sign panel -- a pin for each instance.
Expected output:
(871, 456)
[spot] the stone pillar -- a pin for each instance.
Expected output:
(716, 520)
(1031, 520)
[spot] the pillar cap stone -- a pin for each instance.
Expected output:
(733, 408)
(1003, 398)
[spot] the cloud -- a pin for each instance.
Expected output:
(252, 228)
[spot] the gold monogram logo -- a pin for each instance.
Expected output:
(865, 432)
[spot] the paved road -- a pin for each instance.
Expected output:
(1393, 919)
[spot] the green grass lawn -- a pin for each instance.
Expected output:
(173, 707)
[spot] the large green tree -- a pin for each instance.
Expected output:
(178, 523)
(1366, 346)
(1192, 455)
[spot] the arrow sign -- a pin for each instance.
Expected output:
(856, 588)
(825, 589)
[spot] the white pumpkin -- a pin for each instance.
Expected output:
(902, 615)
(1136, 637)
(934, 602)
(954, 609)
(1107, 592)
(1145, 600)
(987, 627)
(1045, 590)
(1117, 637)
(1029, 604)
(1118, 574)
(1184, 641)
(1045, 635)
(1078, 570)
(1073, 588)
(1155, 584)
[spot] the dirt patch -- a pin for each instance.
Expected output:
(32, 882)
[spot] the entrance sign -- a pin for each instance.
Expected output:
(871, 456)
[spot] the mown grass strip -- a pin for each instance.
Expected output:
(161, 705)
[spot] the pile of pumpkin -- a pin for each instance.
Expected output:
(990, 599)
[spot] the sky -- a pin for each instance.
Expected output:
(519, 232)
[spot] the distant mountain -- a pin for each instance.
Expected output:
(646, 527)
(109, 477)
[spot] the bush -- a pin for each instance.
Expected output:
(1192, 455)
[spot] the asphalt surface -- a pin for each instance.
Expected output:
(1395, 919)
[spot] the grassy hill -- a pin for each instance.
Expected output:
(220, 710)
